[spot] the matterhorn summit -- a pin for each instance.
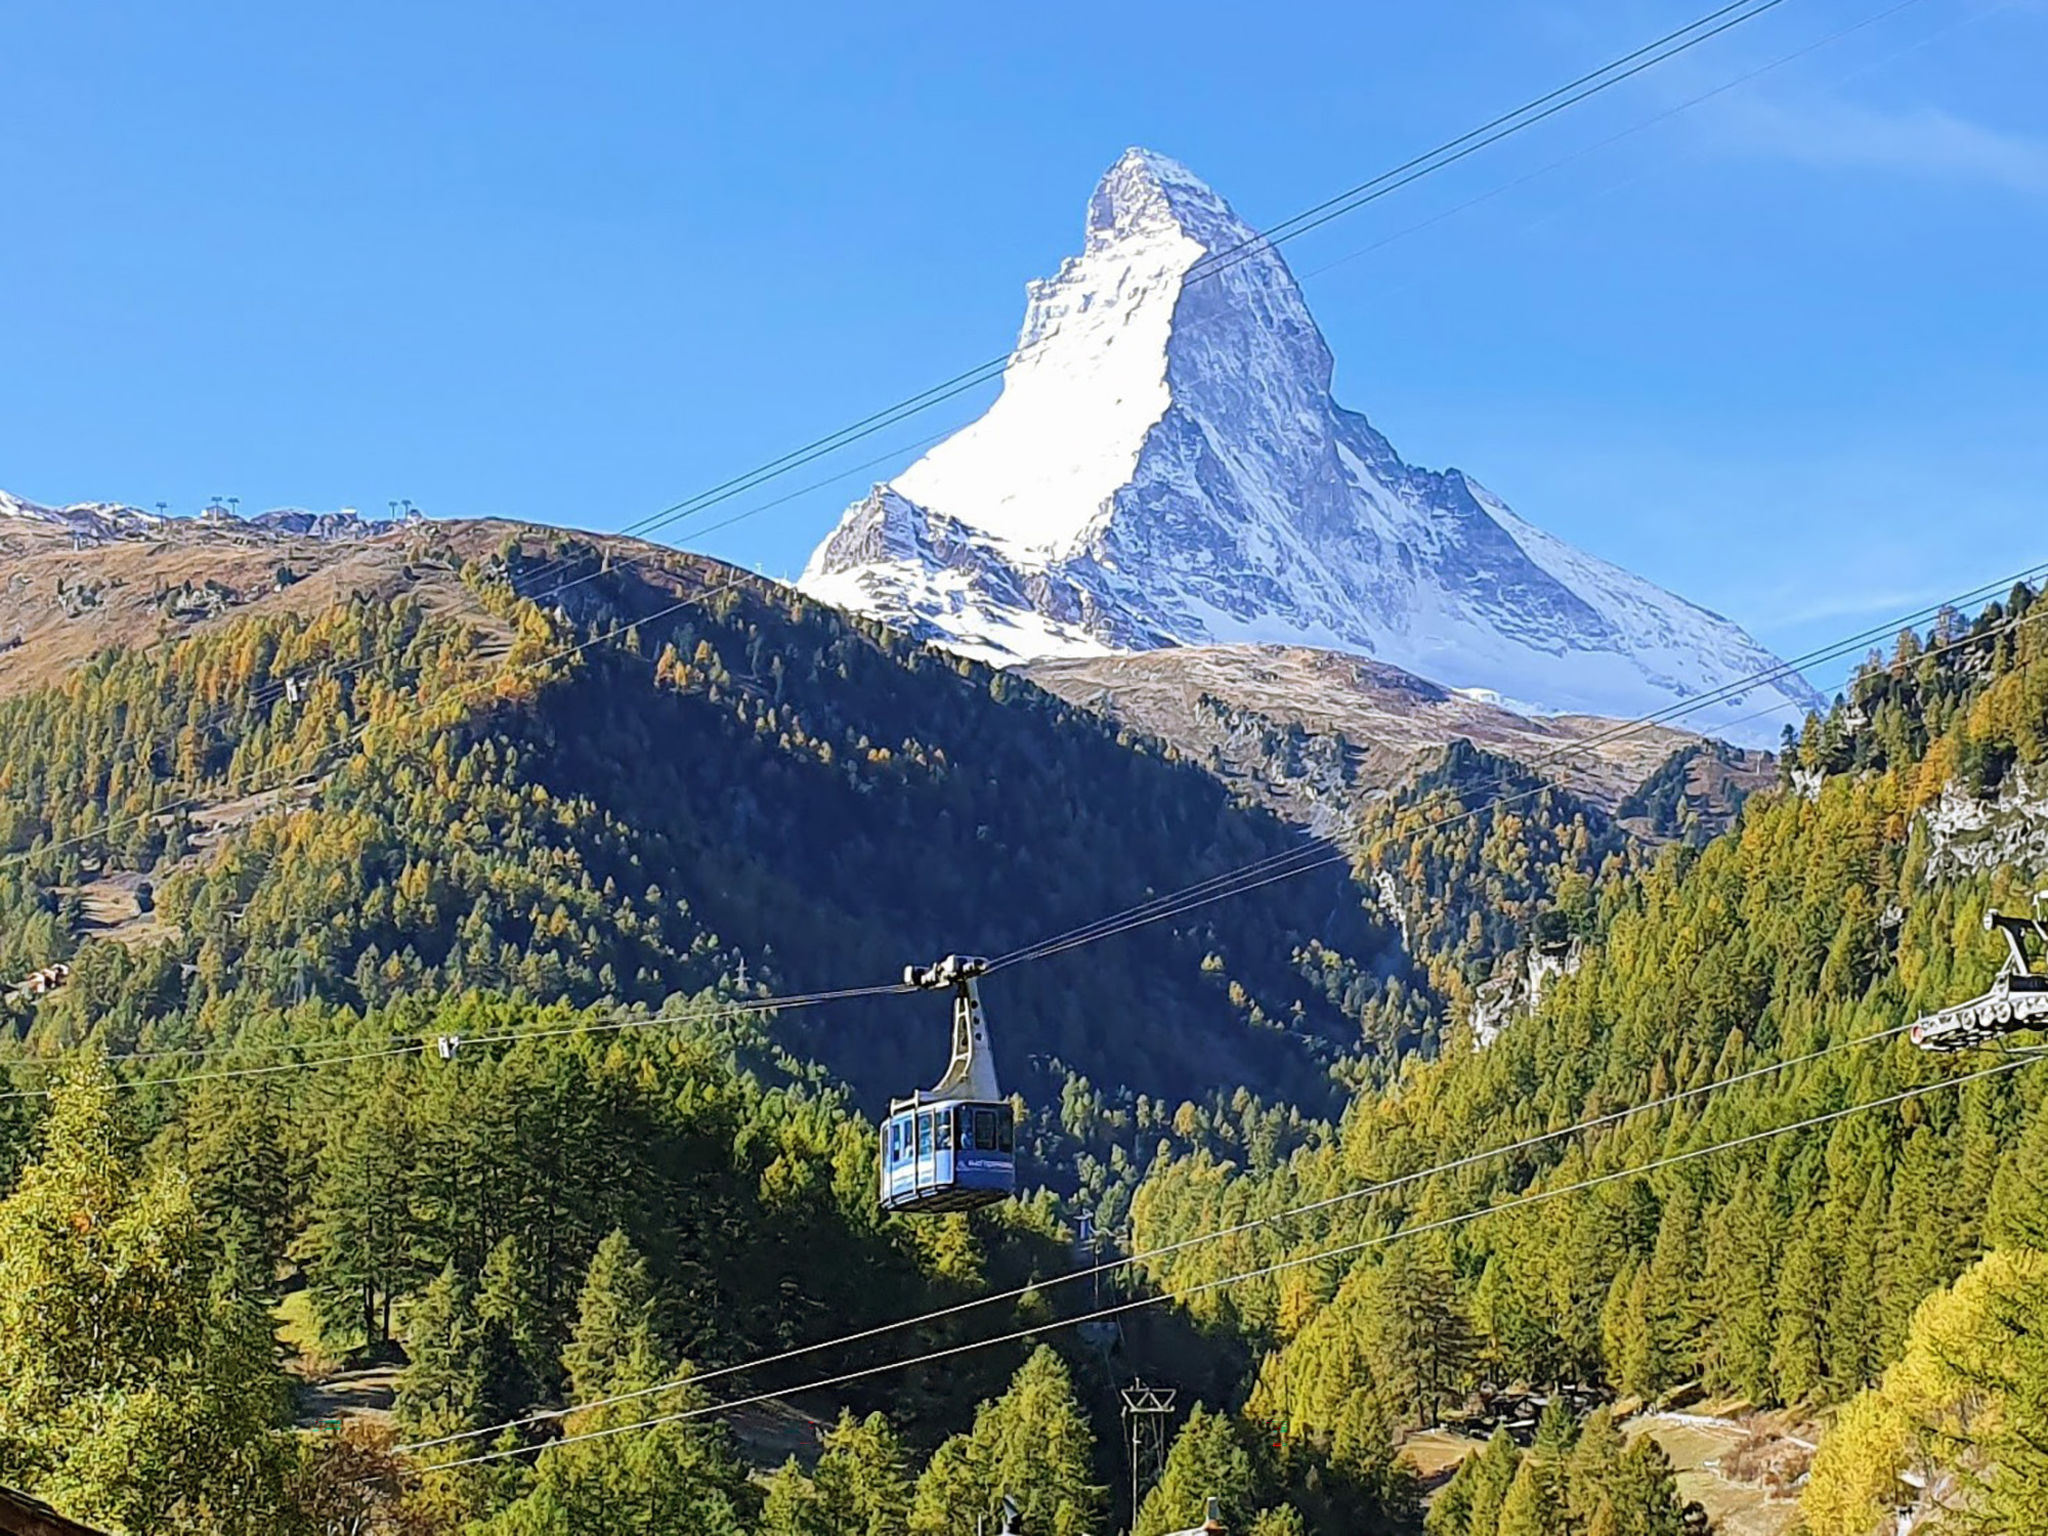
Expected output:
(1166, 466)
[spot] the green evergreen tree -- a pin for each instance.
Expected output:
(1033, 1443)
(1799, 1352)
(1470, 1504)
(138, 1384)
(1739, 1266)
(1853, 1322)
(2018, 1214)
(863, 1478)
(790, 1505)
(613, 1319)
(1534, 1505)
(1207, 1460)
(1673, 1290)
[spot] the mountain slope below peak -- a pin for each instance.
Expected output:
(1308, 733)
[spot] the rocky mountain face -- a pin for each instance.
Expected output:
(1311, 734)
(1166, 465)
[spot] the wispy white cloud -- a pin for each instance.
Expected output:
(1920, 141)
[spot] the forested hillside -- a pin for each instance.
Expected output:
(335, 836)
(581, 815)
(1786, 1271)
(752, 777)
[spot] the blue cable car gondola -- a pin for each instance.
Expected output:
(953, 1147)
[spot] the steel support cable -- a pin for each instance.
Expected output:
(1278, 234)
(981, 373)
(1268, 239)
(1535, 1197)
(1447, 153)
(407, 1045)
(1271, 235)
(1372, 192)
(310, 758)
(659, 558)
(1182, 907)
(1160, 907)
(616, 1018)
(1232, 882)
(1254, 1224)
(1665, 116)
(1674, 711)
(991, 368)
(271, 692)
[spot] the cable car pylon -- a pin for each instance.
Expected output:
(952, 1147)
(2018, 998)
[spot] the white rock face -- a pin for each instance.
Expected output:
(1969, 836)
(1166, 465)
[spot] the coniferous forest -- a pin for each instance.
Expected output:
(579, 825)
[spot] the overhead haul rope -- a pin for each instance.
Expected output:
(308, 760)
(1131, 1260)
(1633, 63)
(1264, 1271)
(613, 1022)
(1302, 860)
(1734, 83)
(1220, 887)
(653, 562)
(1608, 75)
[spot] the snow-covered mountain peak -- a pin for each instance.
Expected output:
(1166, 465)
(1147, 193)
(93, 521)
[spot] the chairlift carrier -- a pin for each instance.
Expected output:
(952, 1147)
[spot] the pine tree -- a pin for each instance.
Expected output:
(2018, 1217)
(1207, 1460)
(1534, 1505)
(359, 1246)
(863, 1478)
(1645, 1492)
(1737, 1354)
(613, 1319)
(1799, 1353)
(138, 1382)
(1470, 1504)
(1032, 1443)
(1673, 1289)
(1589, 1471)
(1420, 1346)
(790, 1505)
(1281, 1520)
(518, 1362)
(444, 1386)
(1853, 1322)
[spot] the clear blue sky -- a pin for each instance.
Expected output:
(1786, 351)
